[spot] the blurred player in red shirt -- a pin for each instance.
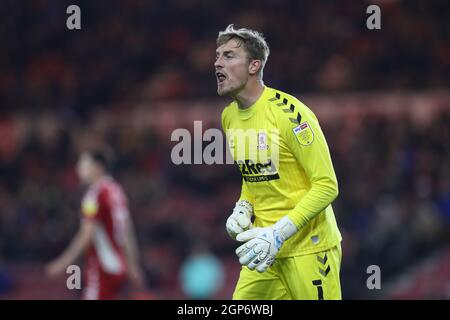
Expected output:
(106, 234)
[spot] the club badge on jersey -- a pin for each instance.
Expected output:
(262, 141)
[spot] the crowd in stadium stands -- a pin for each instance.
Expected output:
(394, 202)
(429, 279)
(168, 47)
(393, 207)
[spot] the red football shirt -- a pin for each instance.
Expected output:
(106, 203)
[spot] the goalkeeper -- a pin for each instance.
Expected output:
(292, 248)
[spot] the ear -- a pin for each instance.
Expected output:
(254, 67)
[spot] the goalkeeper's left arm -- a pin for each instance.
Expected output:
(316, 161)
(313, 155)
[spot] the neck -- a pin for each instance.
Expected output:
(97, 178)
(248, 96)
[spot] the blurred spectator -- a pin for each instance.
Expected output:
(201, 274)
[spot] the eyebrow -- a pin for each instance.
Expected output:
(225, 52)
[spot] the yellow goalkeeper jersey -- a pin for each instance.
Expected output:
(286, 167)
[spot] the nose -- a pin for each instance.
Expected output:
(218, 63)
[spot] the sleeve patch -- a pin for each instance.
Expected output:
(89, 207)
(304, 133)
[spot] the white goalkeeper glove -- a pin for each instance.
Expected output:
(241, 218)
(263, 244)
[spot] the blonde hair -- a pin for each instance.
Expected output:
(253, 41)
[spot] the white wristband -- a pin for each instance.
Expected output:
(285, 227)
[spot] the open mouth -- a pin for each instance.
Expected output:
(220, 77)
